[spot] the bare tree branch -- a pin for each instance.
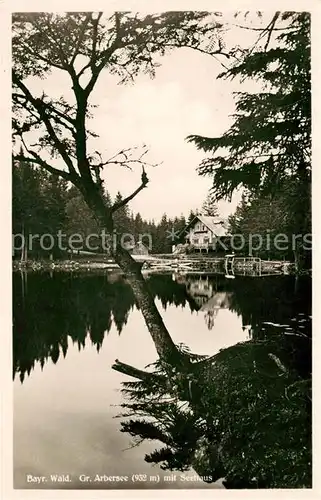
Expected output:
(39, 161)
(270, 28)
(134, 372)
(260, 29)
(123, 202)
(124, 158)
(40, 106)
(95, 23)
(62, 115)
(267, 30)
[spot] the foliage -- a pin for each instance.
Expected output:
(265, 217)
(253, 440)
(270, 139)
(270, 224)
(264, 442)
(267, 150)
(82, 45)
(80, 220)
(191, 410)
(38, 201)
(122, 217)
(126, 42)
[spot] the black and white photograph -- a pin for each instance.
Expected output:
(161, 249)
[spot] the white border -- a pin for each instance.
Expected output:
(6, 8)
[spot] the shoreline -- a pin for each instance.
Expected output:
(157, 265)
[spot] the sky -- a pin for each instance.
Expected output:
(184, 98)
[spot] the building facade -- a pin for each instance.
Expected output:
(203, 233)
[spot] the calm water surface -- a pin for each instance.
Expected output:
(68, 331)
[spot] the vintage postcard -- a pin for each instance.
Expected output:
(160, 164)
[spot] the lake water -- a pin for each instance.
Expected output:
(70, 328)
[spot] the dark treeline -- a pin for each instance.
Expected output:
(51, 311)
(44, 204)
(47, 311)
(245, 414)
(269, 228)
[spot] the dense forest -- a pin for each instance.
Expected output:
(265, 154)
(43, 204)
(264, 220)
(267, 150)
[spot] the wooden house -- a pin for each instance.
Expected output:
(203, 233)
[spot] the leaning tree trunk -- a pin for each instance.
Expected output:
(163, 342)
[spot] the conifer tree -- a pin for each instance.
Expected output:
(209, 207)
(268, 147)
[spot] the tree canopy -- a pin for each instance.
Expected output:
(82, 45)
(270, 138)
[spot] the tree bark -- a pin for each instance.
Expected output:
(166, 349)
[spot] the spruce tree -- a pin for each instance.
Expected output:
(268, 147)
(209, 208)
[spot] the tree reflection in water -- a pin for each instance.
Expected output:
(243, 414)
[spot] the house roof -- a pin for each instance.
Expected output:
(213, 224)
(216, 226)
